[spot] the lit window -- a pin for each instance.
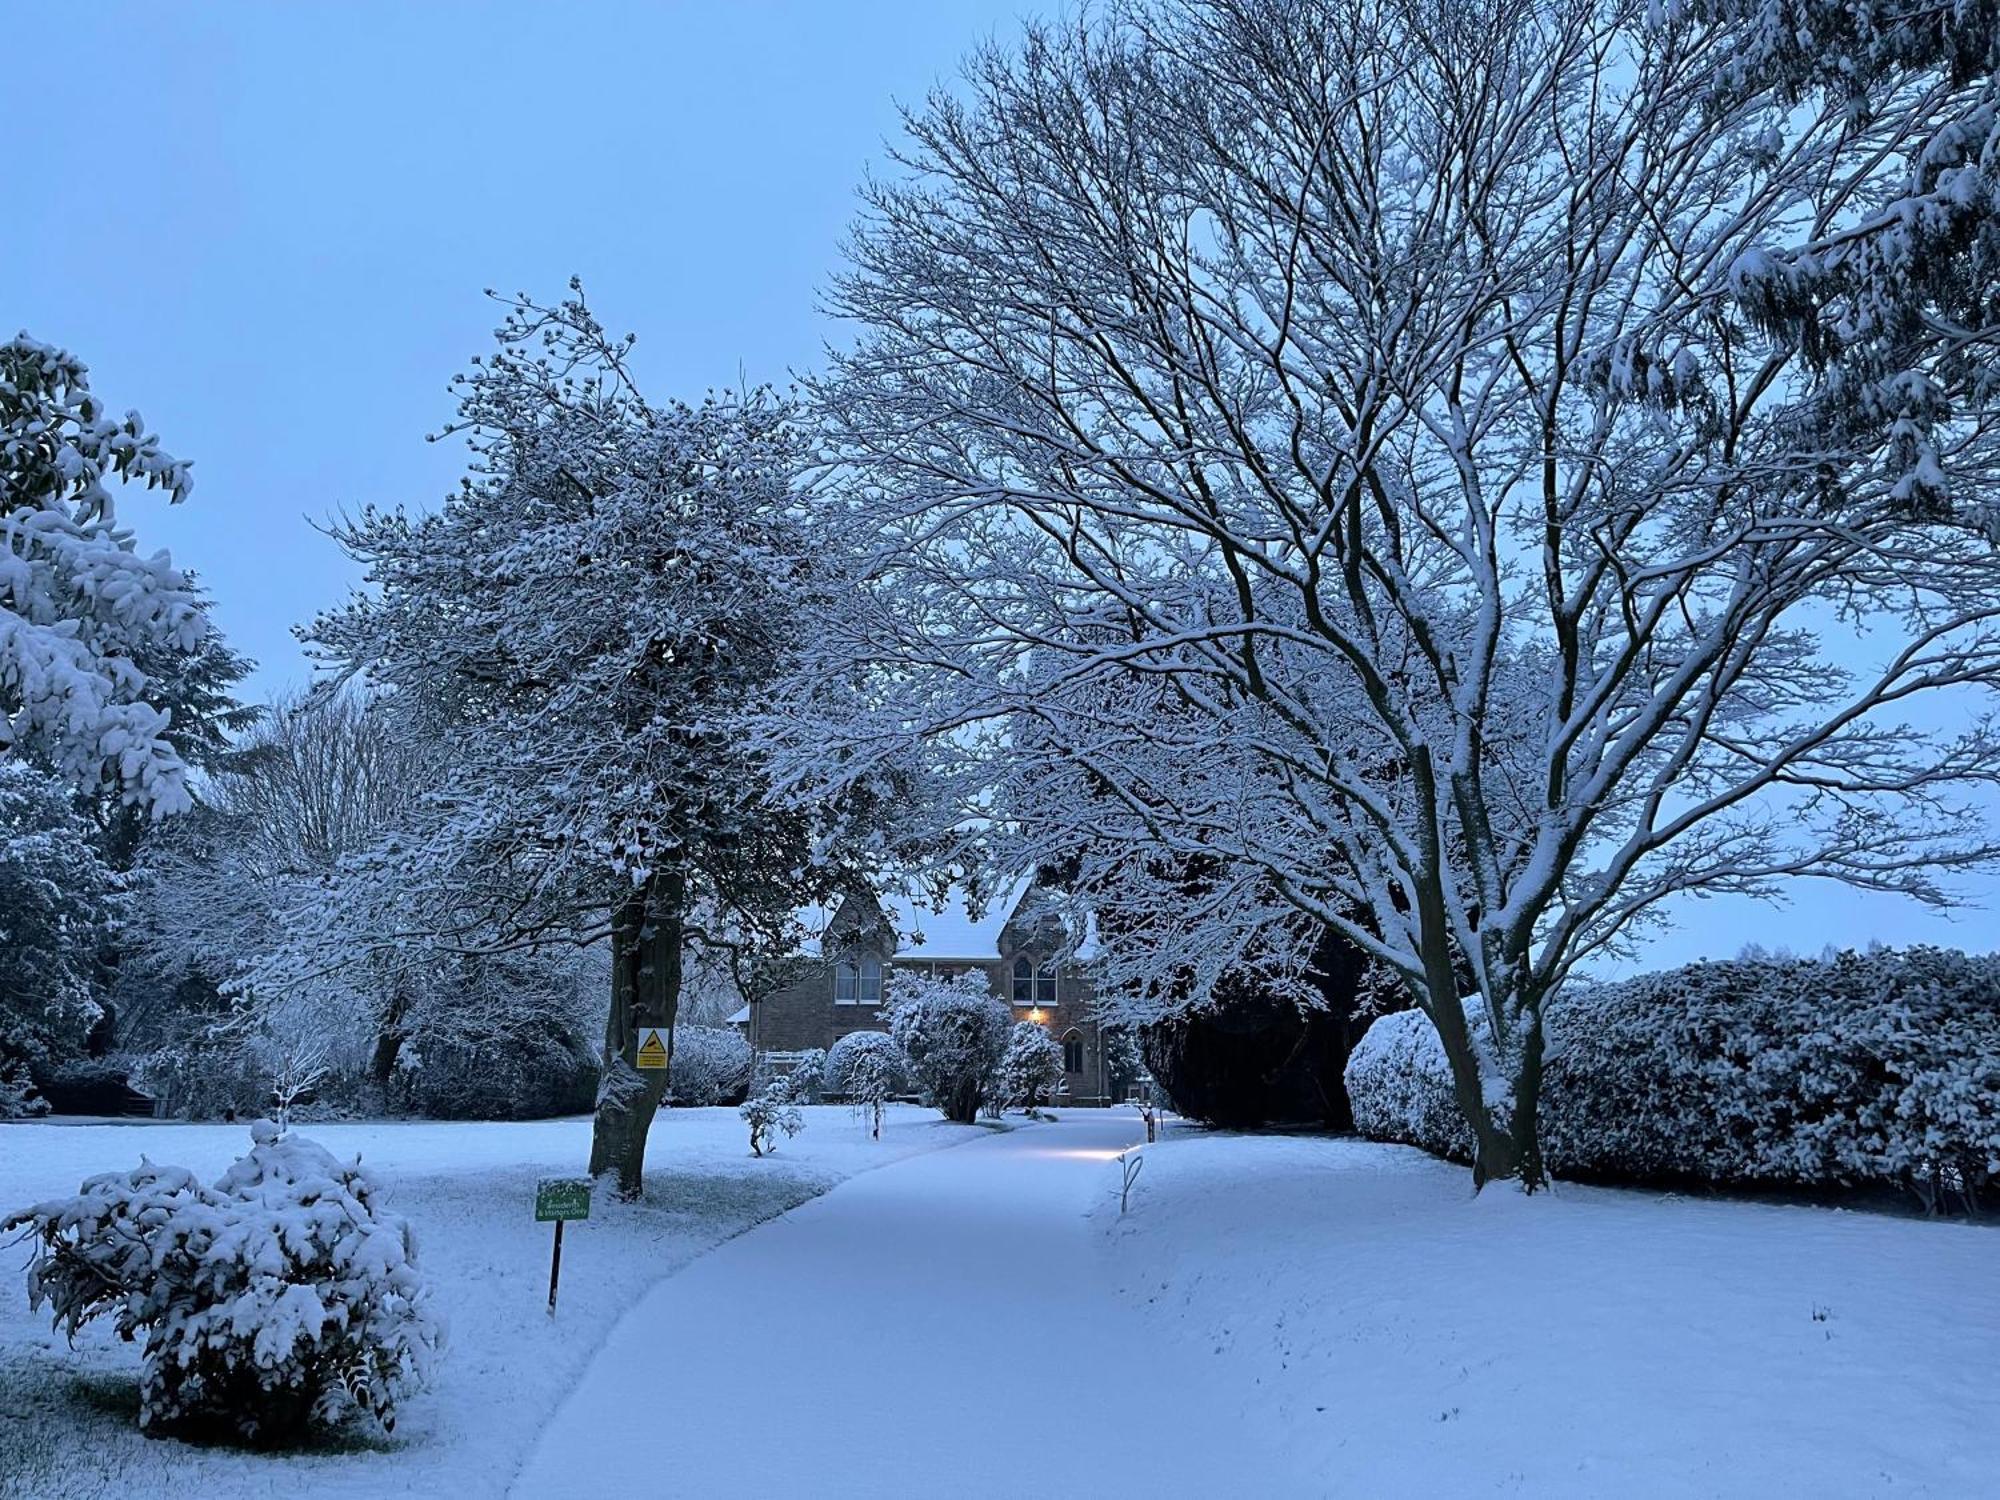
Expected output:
(1072, 1053)
(1024, 982)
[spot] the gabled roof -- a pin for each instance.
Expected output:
(953, 933)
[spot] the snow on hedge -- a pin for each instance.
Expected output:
(1875, 1069)
(280, 1298)
(711, 1065)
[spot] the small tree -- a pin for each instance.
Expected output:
(1031, 1069)
(954, 1032)
(868, 1067)
(774, 1107)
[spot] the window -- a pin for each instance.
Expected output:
(1072, 1053)
(1033, 986)
(1024, 982)
(857, 980)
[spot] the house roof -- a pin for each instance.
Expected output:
(954, 932)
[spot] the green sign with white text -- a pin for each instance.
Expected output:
(562, 1198)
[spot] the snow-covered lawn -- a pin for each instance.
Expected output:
(1378, 1331)
(67, 1419)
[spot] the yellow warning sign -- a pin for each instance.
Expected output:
(652, 1047)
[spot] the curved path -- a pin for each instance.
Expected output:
(941, 1326)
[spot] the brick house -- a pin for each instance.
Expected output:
(1026, 955)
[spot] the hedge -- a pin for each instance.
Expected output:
(1864, 1070)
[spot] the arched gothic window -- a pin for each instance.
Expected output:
(1045, 985)
(1072, 1053)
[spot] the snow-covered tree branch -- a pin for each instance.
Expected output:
(1468, 475)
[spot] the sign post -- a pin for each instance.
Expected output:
(560, 1198)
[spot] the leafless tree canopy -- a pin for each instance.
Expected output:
(1469, 473)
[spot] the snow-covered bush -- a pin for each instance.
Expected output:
(1400, 1087)
(1031, 1069)
(774, 1107)
(954, 1032)
(280, 1298)
(1876, 1069)
(868, 1069)
(18, 1098)
(711, 1065)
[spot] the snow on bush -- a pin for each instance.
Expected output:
(711, 1065)
(774, 1107)
(954, 1032)
(1031, 1069)
(869, 1069)
(18, 1098)
(278, 1299)
(1876, 1069)
(1399, 1085)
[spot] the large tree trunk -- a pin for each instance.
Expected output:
(1506, 1143)
(647, 931)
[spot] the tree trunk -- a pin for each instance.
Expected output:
(389, 1037)
(1506, 1143)
(647, 931)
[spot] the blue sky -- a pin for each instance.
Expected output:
(268, 226)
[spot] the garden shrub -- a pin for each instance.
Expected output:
(867, 1069)
(711, 1065)
(954, 1032)
(280, 1299)
(1031, 1069)
(1873, 1069)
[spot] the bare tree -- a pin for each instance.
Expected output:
(1470, 473)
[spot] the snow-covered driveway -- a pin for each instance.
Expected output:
(942, 1326)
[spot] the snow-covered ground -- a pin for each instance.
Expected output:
(944, 1327)
(1377, 1331)
(68, 1420)
(1273, 1317)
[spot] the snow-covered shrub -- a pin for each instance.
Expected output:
(804, 1073)
(954, 1032)
(1876, 1069)
(868, 1069)
(1031, 1069)
(18, 1098)
(280, 1298)
(1400, 1087)
(774, 1107)
(711, 1065)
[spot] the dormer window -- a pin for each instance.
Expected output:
(857, 980)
